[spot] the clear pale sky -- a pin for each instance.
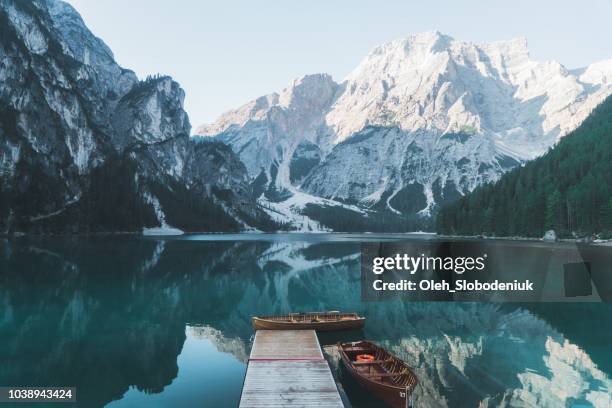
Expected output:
(227, 52)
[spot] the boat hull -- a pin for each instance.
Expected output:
(394, 395)
(390, 395)
(263, 324)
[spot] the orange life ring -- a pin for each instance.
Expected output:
(365, 357)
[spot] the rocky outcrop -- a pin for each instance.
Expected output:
(86, 147)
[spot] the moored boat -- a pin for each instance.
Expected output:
(320, 321)
(379, 372)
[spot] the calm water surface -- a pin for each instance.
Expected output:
(146, 322)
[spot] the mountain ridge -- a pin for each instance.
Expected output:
(86, 147)
(422, 121)
(453, 114)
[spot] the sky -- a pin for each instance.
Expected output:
(225, 53)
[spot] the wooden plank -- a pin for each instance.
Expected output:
(287, 369)
(286, 344)
(282, 383)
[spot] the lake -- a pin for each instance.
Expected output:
(153, 322)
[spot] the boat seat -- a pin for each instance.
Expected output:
(382, 375)
(371, 362)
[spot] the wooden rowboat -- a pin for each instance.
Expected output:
(320, 321)
(379, 372)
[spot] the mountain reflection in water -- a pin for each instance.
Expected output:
(150, 322)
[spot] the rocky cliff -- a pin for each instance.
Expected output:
(85, 146)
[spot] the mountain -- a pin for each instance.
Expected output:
(569, 190)
(87, 147)
(420, 122)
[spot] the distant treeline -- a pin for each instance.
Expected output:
(340, 219)
(569, 190)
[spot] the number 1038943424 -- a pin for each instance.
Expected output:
(37, 394)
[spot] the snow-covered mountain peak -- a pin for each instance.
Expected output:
(418, 45)
(599, 73)
(426, 49)
(254, 110)
(309, 91)
(311, 94)
(432, 81)
(419, 121)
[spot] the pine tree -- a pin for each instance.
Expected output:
(569, 189)
(553, 210)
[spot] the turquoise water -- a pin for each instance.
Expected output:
(146, 322)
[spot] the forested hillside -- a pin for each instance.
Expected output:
(569, 189)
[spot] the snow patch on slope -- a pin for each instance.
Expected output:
(290, 211)
(164, 228)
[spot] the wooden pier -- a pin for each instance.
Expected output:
(287, 369)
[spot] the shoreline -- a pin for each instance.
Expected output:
(596, 242)
(601, 242)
